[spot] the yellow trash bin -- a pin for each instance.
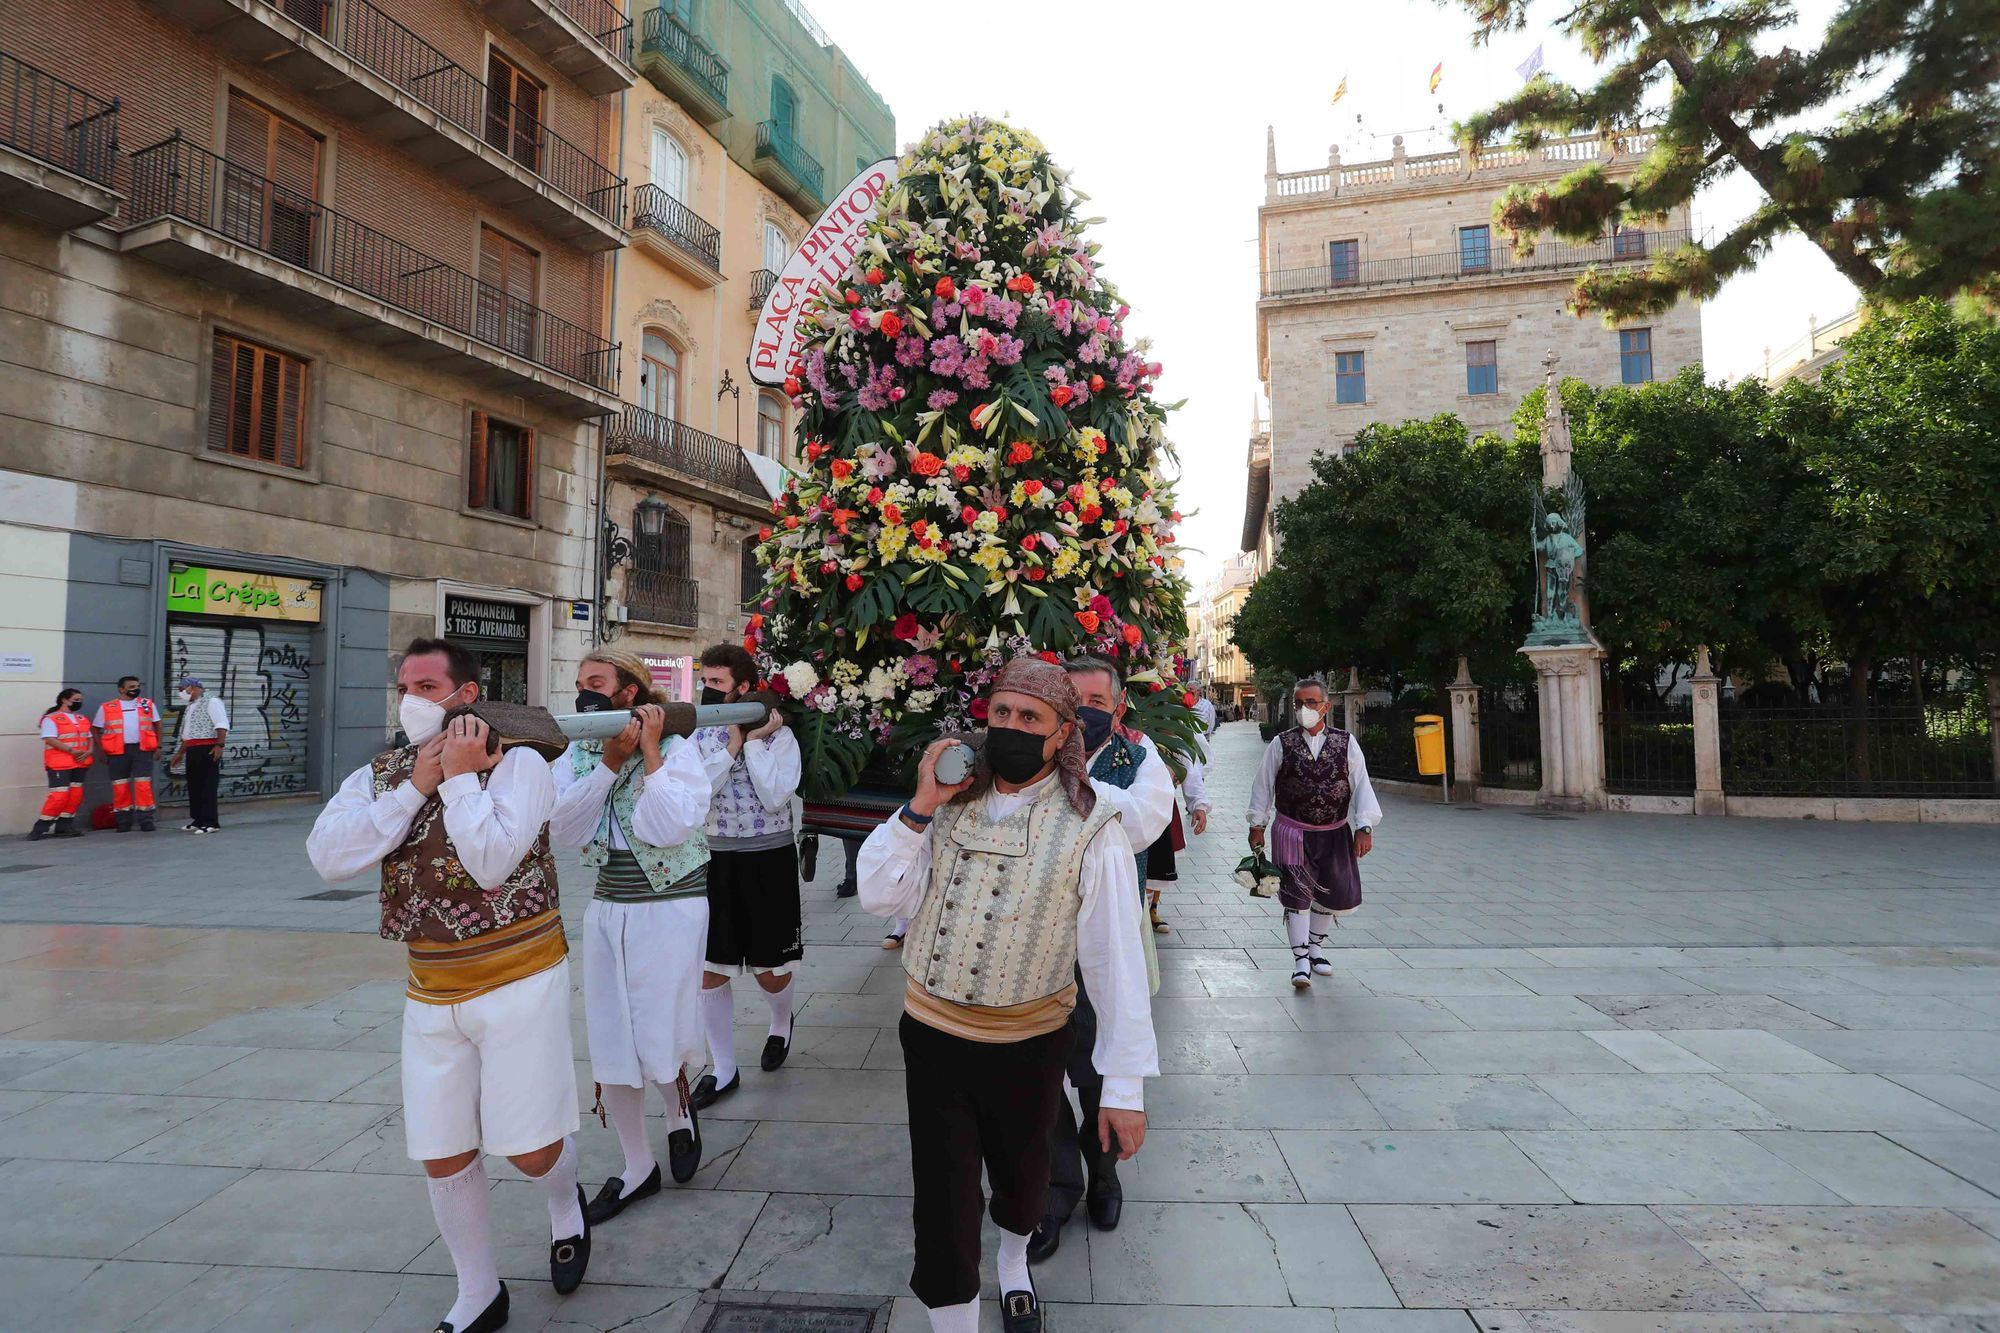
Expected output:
(1430, 745)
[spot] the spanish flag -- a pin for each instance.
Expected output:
(1437, 76)
(1341, 91)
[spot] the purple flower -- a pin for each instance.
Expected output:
(947, 355)
(874, 395)
(940, 399)
(1007, 350)
(909, 350)
(921, 669)
(1005, 313)
(974, 373)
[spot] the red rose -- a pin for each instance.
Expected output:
(1060, 395)
(1187, 699)
(1103, 446)
(1049, 657)
(854, 583)
(851, 296)
(829, 566)
(961, 473)
(967, 515)
(978, 709)
(892, 514)
(791, 521)
(779, 686)
(1021, 282)
(906, 626)
(1097, 384)
(874, 277)
(1120, 527)
(1030, 542)
(842, 469)
(792, 386)
(945, 288)
(920, 527)
(764, 533)
(1031, 487)
(874, 495)
(892, 324)
(1091, 513)
(1020, 451)
(749, 645)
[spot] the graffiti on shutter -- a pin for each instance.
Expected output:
(265, 676)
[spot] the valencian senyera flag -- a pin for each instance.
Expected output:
(1437, 76)
(1341, 91)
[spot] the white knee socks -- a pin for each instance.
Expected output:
(1322, 922)
(1012, 1262)
(718, 1015)
(559, 1183)
(459, 1204)
(626, 1108)
(781, 1010)
(677, 1111)
(955, 1318)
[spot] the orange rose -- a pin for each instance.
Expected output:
(926, 465)
(1132, 635)
(842, 469)
(1089, 621)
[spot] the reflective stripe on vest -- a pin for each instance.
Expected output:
(71, 743)
(114, 725)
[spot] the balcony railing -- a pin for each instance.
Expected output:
(667, 35)
(663, 598)
(57, 122)
(176, 179)
(605, 21)
(666, 443)
(454, 92)
(775, 141)
(1456, 265)
(761, 283)
(656, 210)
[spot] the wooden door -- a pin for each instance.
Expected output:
(507, 274)
(270, 182)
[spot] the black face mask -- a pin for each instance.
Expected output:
(74, 705)
(590, 701)
(711, 695)
(1096, 727)
(131, 691)
(1014, 755)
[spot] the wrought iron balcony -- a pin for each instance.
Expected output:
(677, 234)
(681, 63)
(589, 41)
(47, 122)
(1339, 278)
(649, 446)
(761, 283)
(359, 63)
(663, 598)
(788, 168)
(328, 262)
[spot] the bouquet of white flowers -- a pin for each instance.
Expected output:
(1258, 875)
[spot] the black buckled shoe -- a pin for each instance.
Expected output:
(1045, 1240)
(490, 1320)
(569, 1258)
(683, 1151)
(707, 1094)
(612, 1199)
(1104, 1200)
(1020, 1312)
(775, 1051)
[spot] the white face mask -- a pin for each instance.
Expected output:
(1309, 718)
(183, 698)
(422, 718)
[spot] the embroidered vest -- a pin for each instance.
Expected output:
(1117, 765)
(664, 866)
(114, 725)
(997, 925)
(428, 895)
(1309, 790)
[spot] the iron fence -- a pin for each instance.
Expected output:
(606, 22)
(665, 34)
(663, 598)
(669, 444)
(1455, 265)
(1510, 739)
(775, 141)
(1388, 741)
(656, 210)
(1649, 751)
(1940, 749)
(461, 97)
(57, 122)
(761, 283)
(177, 179)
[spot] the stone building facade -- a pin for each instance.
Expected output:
(1386, 294)
(1220, 669)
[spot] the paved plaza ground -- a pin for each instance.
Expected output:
(1589, 1074)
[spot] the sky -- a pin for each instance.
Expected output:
(1159, 113)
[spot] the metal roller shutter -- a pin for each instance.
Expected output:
(265, 675)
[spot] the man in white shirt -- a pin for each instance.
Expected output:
(460, 838)
(1316, 781)
(1016, 881)
(754, 920)
(204, 730)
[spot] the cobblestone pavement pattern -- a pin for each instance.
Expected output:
(1594, 1074)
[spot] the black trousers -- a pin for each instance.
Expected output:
(1073, 1148)
(975, 1103)
(204, 778)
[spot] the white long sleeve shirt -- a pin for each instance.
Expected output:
(1195, 785)
(1363, 810)
(673, 799)
(1147, 806)
(752, 803)
(894, 871)
(492, 828)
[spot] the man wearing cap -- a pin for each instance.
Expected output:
(204, 729)
(1016, 880)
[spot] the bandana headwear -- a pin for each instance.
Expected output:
(1050, 684)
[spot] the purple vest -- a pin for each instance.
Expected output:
(1313, 791)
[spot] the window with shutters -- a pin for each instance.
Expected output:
(770, 425)
(513, 111)
(508, 272)
(1482, 367)
(270, 182)
(777, 248)
(256, 403)
(500, 467)
(784, 109)
(659, 376)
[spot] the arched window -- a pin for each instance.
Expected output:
(777, 248)
(659, 586)
(660, 376)
(770, 425)
(670, 165)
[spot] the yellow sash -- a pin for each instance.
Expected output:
(452, 972)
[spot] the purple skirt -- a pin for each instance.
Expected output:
(1323, 875)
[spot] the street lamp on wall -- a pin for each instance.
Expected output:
(649, 521)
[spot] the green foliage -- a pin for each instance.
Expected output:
(1899, 190)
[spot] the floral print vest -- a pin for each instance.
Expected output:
(1313, 791)
(664, 866)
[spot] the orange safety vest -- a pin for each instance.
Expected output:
(114, 725)
(71, 747)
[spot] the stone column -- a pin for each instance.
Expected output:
(1464, 735)
(1353, 700)
(1572, 717)
(1708, 799)
(1993, 723)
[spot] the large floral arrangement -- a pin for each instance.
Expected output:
(980, 474)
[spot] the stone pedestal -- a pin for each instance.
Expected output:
(1572, 705)
(1464, 735)
(1353, 700)
(1707, 738)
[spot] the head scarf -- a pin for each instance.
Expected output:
(1050, 684)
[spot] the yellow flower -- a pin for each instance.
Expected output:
(890, 544)
(990, 557)
(1065, 561)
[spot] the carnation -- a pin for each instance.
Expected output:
(800, 679)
